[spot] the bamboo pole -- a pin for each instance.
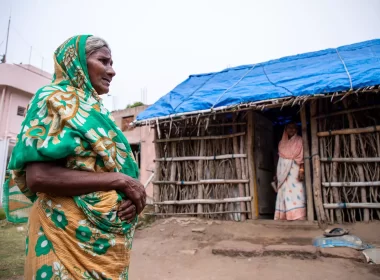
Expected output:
(350, 131)
(200, 173)
(306, 152)
(351, 184)
(201, 158)
(251, 166)
(325, 169)
(204, 201)
(347, 111)
(173, 174)
(351, 205)
(216, 125)
(212, 137)
(235, 144)
(193, 213)
(363, 192)
(335, 192)
(203, 182)
(157, 173)
(353, 160)
(316, 167)
(244, 175)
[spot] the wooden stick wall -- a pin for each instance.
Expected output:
(203, 168)
(347, 157)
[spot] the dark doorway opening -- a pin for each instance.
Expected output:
(268, 130)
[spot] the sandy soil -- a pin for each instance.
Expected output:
(157, 253)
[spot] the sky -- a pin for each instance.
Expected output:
(157, 44)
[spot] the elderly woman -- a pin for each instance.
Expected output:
(77, 168)
(290, 203)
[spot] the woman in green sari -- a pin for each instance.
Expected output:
(76, 167)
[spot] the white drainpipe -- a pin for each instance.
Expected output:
(3, 166)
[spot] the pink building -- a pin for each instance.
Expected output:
(18, 83)
(141, 141)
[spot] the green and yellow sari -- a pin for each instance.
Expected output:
(71, 237)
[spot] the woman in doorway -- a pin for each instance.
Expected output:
(77, 169)
(290, 204)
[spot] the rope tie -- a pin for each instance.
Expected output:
(342, 205)
(345, 68)
(231, 87)
(310, 157)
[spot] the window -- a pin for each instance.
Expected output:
(20, 111)
(125, 123)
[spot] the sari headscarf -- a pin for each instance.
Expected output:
(291, 148)
(292, 151)
(67, 120)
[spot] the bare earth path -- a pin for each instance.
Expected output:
(158, 254)
(169, 249)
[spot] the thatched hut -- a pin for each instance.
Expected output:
(216, 137)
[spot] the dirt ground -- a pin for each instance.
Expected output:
(169, 249)
(158, 253)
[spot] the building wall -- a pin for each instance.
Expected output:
(18, 83)
(10, 122)
(143, 136)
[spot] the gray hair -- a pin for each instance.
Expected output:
(94, 43)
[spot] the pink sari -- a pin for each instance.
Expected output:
(290, 203)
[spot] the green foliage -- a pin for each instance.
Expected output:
(135, 104)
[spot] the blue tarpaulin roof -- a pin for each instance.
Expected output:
(347, 67)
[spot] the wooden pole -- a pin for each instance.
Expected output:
(351, 184)
(204, 201)
(351, 205)
(192, 214)
(203, 182)
(213, 137)
(173, 174)
(244, 175)
(306, 152)
(251, 166)
(350, 130)
(353, 160)
(363, 191)
(235, 144)
(200, 173)
(157, 173)
(316, 167)
(335, 191)
(201, 158)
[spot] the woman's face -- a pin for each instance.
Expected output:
(291, 129)
(100, 70)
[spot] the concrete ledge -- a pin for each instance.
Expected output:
(342, 253)
(238, 249)
(296, 251)
(232, 248)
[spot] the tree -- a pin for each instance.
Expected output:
(135, 104)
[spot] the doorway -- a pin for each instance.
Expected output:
(268, 129)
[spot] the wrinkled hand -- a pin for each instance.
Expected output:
(127, 210)
(135, 192)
